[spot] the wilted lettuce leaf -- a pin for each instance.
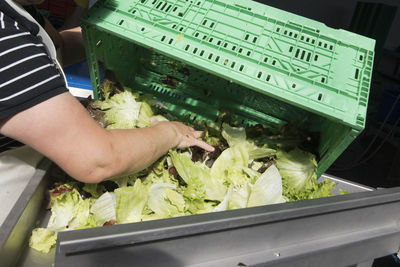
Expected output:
(82, 217)
(95, 190)
(260, 152)
(297, 168)
(165, 202)
(195, 171)
(43, 239)
(237, 135)
(236, 176)
(267, 189)
(225, 202)
(145, 114)
(315, 190)
(130, 202)
(63, 206)
(237, 155)
(239, 197)
(233, 135)
(121, 110)
(104, 208)
(123, 181)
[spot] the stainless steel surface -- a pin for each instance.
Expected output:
(342, 184)
(17, 167)
(19, 223)
(33, 258)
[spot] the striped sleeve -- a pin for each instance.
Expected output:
(28, 75)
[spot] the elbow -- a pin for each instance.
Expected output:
(95, 171)
(91, 178)
(103, 162)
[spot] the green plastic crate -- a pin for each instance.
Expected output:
(263, 64)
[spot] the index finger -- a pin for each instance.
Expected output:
(203, 145)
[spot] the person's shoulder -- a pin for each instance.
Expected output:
(13, 20)
(8, 23)
(34, 12)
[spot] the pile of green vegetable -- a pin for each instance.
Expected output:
(241, 172)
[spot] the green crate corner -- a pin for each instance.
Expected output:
(263, 64)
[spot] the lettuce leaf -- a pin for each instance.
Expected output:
(237, 135)
(316, 190)
(145, 114)
(121, 110)
(104, 208)
(297, 168)
(200, 174)
(43, 239)
(130, 202)
(64, 200)
(123, 181)
(233, 135)
(95, 190)
(237, 155)
(239, 197)
(82, 217)
(225, 202)
(267, 189)
(165, 202)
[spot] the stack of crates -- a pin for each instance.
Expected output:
(260, 63)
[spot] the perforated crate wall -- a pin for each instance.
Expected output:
(263, 64)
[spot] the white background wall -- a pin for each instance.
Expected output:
(336, 13)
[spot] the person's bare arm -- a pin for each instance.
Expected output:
(61, 129)
(69, 41)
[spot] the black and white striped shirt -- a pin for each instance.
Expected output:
(28, 75)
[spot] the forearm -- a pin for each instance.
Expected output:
(61, 129)
(139, 148)
(116, 152)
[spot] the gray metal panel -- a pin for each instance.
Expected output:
(21, 220)
(346, 185)
(335, 231)
(355, 227)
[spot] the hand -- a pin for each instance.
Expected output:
(186, 136)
